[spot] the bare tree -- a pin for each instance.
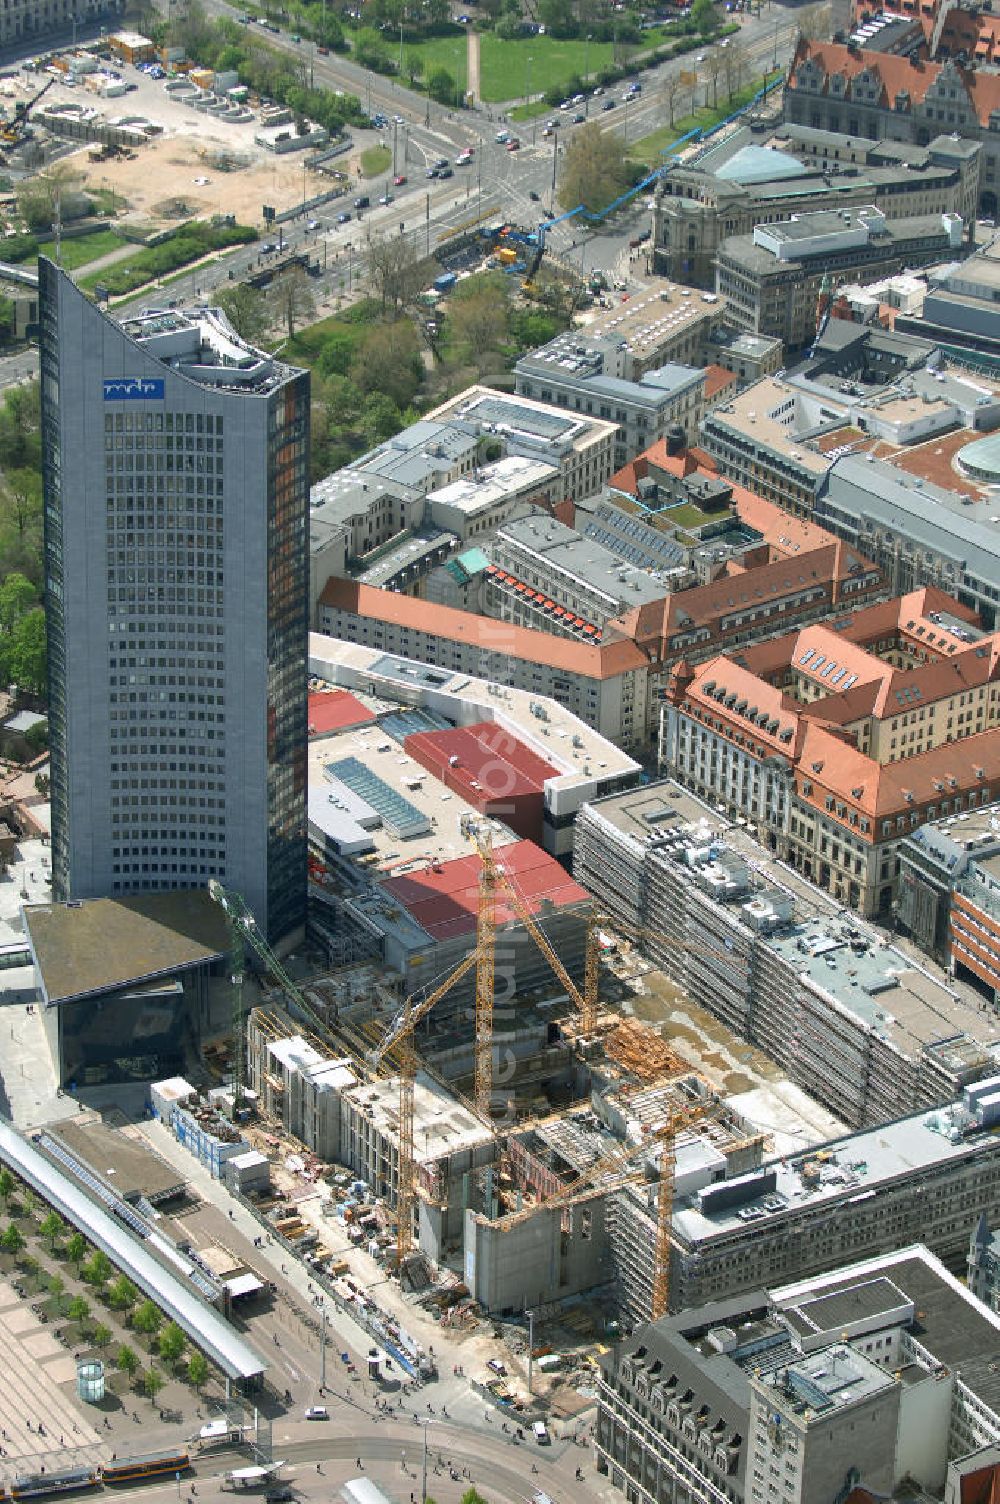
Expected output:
(673, 89)
(714, 65)
(735, 63)
(393, 271)
(293, 298)
(815, 21)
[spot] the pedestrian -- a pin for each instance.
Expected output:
(357, 1462)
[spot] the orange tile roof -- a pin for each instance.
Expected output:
(897, 75)
(836, 767)
(589, 660)
(754, 695)
(717, 379)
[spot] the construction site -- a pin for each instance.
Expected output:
(482, 1115)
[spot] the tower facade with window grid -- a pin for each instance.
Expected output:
(176, 463)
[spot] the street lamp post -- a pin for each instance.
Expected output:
(527, 79)
(424, 1421)
(401, 49)
(586, 59)
(555, 155)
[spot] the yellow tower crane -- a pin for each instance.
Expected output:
(399, 1039)
(615, 1169)
(585, 1001)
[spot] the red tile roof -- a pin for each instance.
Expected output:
(336, 710)
(444, 899)
(718, 379)
(589, 660)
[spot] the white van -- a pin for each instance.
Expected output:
(541, 1433)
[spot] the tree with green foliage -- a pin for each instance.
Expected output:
(704, 18)
(594, 170)
(170, 1343)
(441, 86)
(7, 1186)
(388, 360)
(478, 320)
(21, 500)
(76, 1248)
(17, 596)
(558, 17)
(11, 1239)
(413, 64)
(246, 309)
(78, 1309)
(122, 1294)
(98, 1269)
(21, 428)
(7, 320)
(370, 50)
(152, 1382)
(197, 1370)
(56, 192)
(147, 1319)
(101, 1335)
(127, 1360)
(52, 1228)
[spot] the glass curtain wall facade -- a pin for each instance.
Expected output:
(176, 466)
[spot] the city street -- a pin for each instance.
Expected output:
(511, 185)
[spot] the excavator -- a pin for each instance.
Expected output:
(13, 132)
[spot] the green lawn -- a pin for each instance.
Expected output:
(553, 62)
(650, 149)
(83, 248)
(375, 160)
(440, 52)
(506, 73)
(686, 515)
(532, 111)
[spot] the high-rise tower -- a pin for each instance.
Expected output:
(176, 461)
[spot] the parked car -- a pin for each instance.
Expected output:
(540, 1432)
(362, 202)
(609, 104)
(317, 1412)
(399, 180)
(445, 172)
(513, 144)
(386, 198)
(578, 118)
(343, 218)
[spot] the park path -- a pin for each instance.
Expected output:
(472, 63)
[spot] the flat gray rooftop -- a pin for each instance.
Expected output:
(126, 1164)
(101, 943)
(584, 560)
(850, 1168)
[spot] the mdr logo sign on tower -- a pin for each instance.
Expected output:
(134, 389)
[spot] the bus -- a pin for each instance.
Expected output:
(150, 1465)
(33, 1485)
